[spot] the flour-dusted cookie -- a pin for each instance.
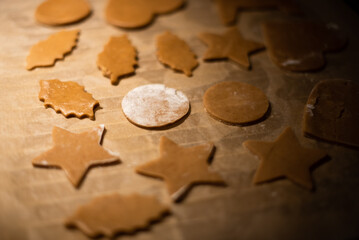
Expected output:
(154, 105)
(235, 102)
(118, 58)
(228, 8)
(332, 112)
(111, 214)
(303, 48)
(175, 53)
(46, 52)
(229, 45)
(284, 158)
(181, 167)
(138, 13)
(69, 98)
(75, 153)
(59, 12)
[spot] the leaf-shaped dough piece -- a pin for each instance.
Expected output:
(46, 52)
(111, 214)
(69, 98)
(118, 58)
(59, 12)
(138, 13)
(175, 52)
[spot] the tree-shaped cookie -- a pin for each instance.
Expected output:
(111, 214)
(181, 167)
(75, 153)
(69, 98)
(229, 45)
(138, 13)
(46, 52)
(118, 58)
(174, 52)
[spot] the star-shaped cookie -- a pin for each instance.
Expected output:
(231, 45)
(75, 153)
(181, 167)
(284, 157)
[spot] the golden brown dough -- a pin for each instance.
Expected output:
(111, 214)
(138, 13)
(235, 102)
(59, 12)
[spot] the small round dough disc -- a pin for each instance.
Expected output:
(235, 102)
(59, 12)
(154, 105)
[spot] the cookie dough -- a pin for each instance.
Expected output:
(181, 167)
(174, 52)
(118, 58)
(228, 8)
(284, 158)
(75, 153)
(235, 102)
(69, 98)
(299, 45)
(60, 12)
(138, 13)
(46, 52)
(111, 214)
(332, 112)
(154, 105)
(231, 45)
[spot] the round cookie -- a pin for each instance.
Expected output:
(59, 12)
(235, 102)
(154, 105)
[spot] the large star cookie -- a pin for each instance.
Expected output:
(181, 167)
(230, 45)
(284, 157)
(75, 153)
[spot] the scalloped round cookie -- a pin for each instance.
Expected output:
(154, 105)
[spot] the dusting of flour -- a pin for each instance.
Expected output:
(154, 105)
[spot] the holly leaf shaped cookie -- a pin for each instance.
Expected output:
(69, 98)
(175, 52)
(46, 52)
(111, 214)
(118, 58)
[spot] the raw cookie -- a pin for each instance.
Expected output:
(59, 12)
(174, 52)
(46, 52)
(284, 158)
(118, 58)
(154, 105)
(229, 45)
(69, 98)
(332, 112)
(138, 13)
(235, 102)
(75, 153)
(228, 8)
(112, 214)
(299, 45)
(181, 167)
